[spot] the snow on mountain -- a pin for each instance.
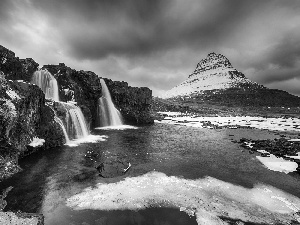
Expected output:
(213, 72)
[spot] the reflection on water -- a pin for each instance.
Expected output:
(50, 177)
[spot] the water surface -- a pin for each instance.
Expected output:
(51, 177)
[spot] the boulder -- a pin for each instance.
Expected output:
(113, 166)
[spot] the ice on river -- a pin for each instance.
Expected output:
(208, 199)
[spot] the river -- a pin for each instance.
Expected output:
(178, 154)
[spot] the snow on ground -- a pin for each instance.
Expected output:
(211, 79)
(36, 142)
(208, 199)
(12, 94)
(294, 157)
(278, 164)
(10, 218)
(279, 124)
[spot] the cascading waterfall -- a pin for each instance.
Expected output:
(76, 127)
(108, 114)
(57, 120)
(48, 84)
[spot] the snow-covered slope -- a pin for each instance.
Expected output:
(213, 72)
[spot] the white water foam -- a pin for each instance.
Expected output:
(120, 127)
(208, 199)
(88, 139)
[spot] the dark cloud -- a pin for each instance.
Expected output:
(93, 29)
(157, 43)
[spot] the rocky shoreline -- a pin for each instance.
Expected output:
(288, 149)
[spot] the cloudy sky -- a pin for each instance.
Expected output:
(158, 43)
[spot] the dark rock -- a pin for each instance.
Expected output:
(23, 116)
(133, 103)
(113, 166)
(82, 87)
(15, 68)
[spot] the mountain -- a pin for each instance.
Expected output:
(215, 72)
(217, 88)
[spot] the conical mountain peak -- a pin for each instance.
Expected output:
(214, 72)
(213, 61)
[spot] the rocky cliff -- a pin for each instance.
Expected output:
(134, 103)
(24, 117)
(15, 68)
(84, 87)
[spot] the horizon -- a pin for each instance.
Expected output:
(158, 44)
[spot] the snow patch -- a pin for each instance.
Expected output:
(219, 78)
(208, 199)
(36, 142)
(278, 124)
(278, 164)
(12, 94)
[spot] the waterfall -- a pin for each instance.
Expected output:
(76, 124)
(76, 127)
(48, 84)
(57, 120)
(108, 114)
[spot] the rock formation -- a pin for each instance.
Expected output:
(84, 88)
(15, 68)
(23, 117)
(134, 103)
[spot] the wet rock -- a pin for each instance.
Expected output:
(113, 166)
(91, 158)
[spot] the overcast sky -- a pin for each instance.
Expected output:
(158, 43)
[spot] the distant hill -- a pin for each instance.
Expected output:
(216, 81)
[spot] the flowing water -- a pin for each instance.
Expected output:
(48, 84)
(170, 165)
(108, 114)
(76, 127)
(75, 122)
